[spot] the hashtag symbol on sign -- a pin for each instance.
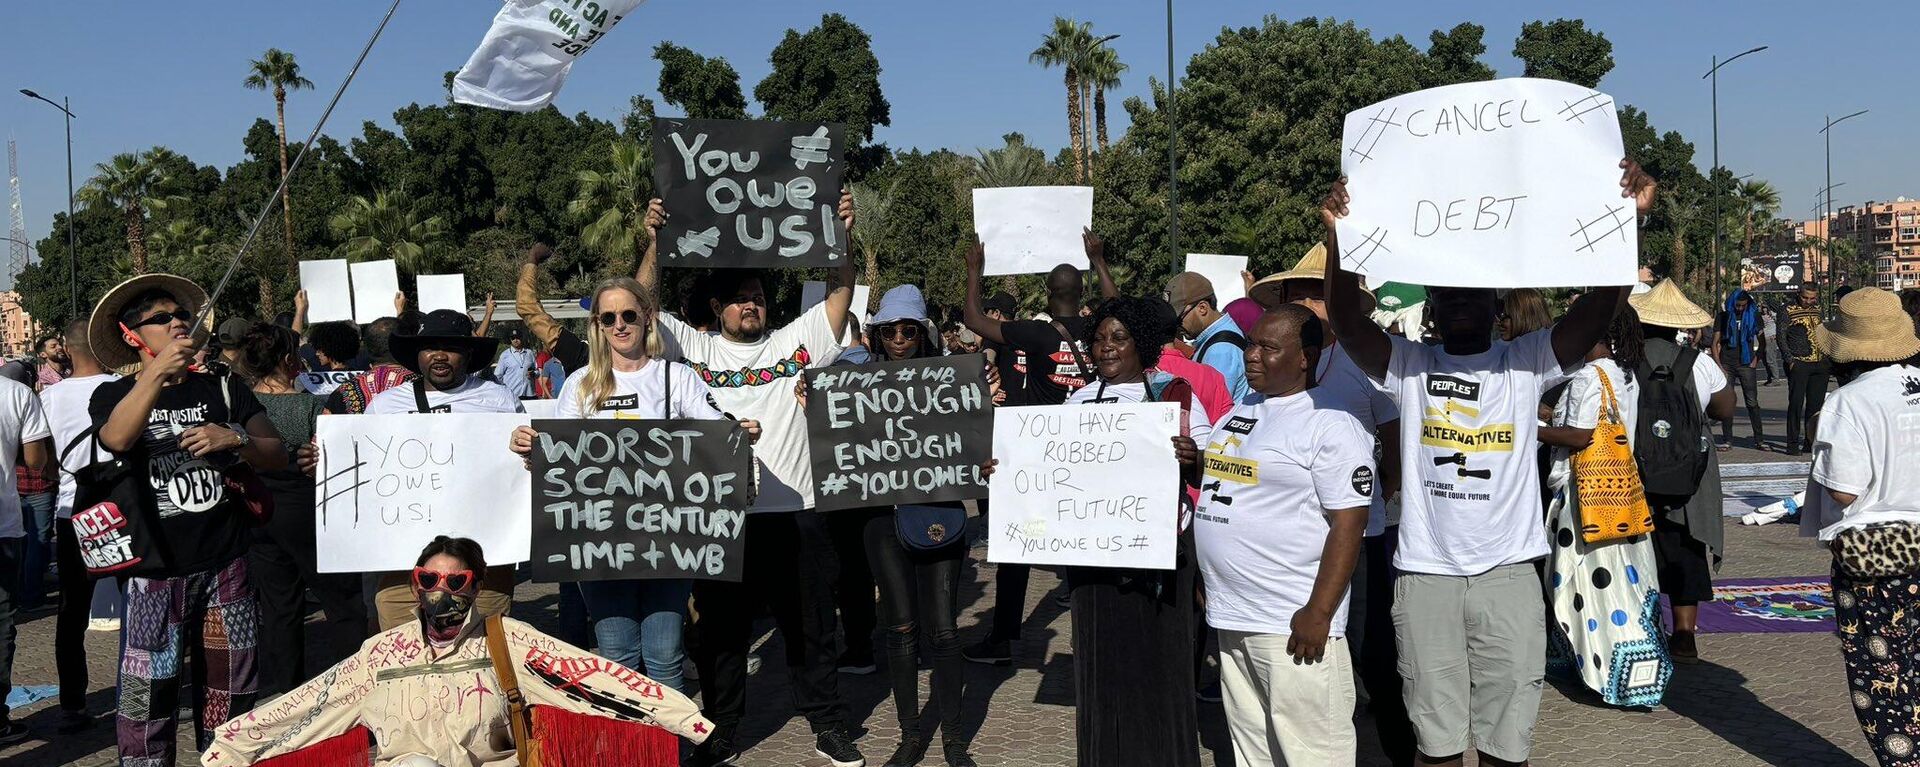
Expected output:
(812, 148)
(833, 484)
(1576, 111)
(1613, 217)
(1375, 129)
(1139, 542)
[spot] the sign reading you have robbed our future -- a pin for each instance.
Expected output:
(1086, 485)
(907, 432)
(1500, 184)
(639, 499)
(749, 193)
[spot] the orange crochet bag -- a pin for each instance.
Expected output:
(1613, 503)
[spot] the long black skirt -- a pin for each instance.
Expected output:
(1133, 665)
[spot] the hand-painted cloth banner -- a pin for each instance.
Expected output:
(527, 53)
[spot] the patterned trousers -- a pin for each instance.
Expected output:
(208, 619)
(1879, 621)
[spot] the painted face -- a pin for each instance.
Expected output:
(1115, 355)
(444, 590)
(627, 335)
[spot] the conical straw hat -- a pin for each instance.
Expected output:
(1667, 307)
(1270, 291)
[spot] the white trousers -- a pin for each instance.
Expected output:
(1275, 707)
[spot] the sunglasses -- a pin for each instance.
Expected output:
(432, 580)
(628, 316)
(909, 332)
(164, 318)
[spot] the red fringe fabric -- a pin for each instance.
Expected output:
(345, 750)
(567, 739)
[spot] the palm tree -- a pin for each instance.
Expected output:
(1103, 73)
(614, 206)
(276, 70)
(180, 240)
(871, 205)
(135, 184)
(389, 226)
(1681, 210)
(1759, 200)
(1015, 164)
(1066, 47)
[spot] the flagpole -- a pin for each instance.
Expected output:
(267, 209)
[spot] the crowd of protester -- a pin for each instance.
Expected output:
(1384, 511)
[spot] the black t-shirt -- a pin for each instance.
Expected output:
(201, 527)
(570, 351)
(1044, 360)
(1013, 377)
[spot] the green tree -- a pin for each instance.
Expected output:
(704, 88)
(1015, 164)
(613, 205)
(1103, 74)
(1454, 55)
(871, 205)
(1067, 47)
(1680, 210)
(1760, 202)
(180, 241)
(276, 71)
(1564, 49)
(134, 184)
(829, 74)
(391, 226)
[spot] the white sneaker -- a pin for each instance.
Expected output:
(103, 624)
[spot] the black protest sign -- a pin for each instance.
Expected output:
(887, 433)
(616, 498)
(749, 193)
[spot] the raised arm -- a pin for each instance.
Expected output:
(1097, 259)
(840, 290)
(970, 312)
(1587, 320)
(300, 313)
(648, 272)
(1348, 310)
(526, 297)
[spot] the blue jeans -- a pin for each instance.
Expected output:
(36, 513)
(638, 622)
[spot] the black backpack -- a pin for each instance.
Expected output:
(1671, 441)
(1227, 337)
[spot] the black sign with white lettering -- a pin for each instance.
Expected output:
(639, 499)
(749, 193)
(888, 433)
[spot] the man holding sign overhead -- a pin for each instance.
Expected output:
(1468, 611)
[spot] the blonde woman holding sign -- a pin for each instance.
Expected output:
(635, 621)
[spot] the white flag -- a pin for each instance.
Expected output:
(524, 59)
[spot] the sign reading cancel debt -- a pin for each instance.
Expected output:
(1499, 184)
(749, 193)
(1092, 485)
(907, 432)
(639, 499)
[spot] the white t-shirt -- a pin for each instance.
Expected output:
(1469, 485)
(755, 381)
(66, 407)
(642, 394)
(471, 396)
(21, 421)
(1338, 374)
(1579, 407)
(1708, 379)
(1869, 446)
(1273, 470)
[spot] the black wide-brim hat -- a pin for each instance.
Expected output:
(444, 328)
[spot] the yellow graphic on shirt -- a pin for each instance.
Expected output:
(1446, 412)
(1236, 470)
(1494, 438)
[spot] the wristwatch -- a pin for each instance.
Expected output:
(245, 438)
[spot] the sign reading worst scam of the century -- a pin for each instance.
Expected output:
(639, 499)
(1090, 485)
(888, 433)
(1498, 184)
(749, 193)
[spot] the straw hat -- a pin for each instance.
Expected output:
(103, 326)
(1870, 326)
(1271, 290)
(1667, 307)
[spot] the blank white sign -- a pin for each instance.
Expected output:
(329, 293)
(1223, 272)
(815, 291)
(1502, 184)
(1032, 229)
(443, 291)
(374, 285)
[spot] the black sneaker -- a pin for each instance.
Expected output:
(957, 756)
(12, 732)
(856, 662)
(1208, 693)
(715, 752)
(992, 652)
(837, 747)
(74, 720)
(913, 748)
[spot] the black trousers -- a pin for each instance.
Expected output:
(789, 568)
(919, 596)
(281, 561)
(1806, 392)
(70, 625)
(853, 588)
(1370, 640)
(1744, 377)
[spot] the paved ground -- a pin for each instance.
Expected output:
(1758, 699)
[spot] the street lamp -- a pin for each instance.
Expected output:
(1833, 271)
(73, 257)
(1173, 141)
(1714, 75)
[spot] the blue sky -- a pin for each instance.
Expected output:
(957, 75)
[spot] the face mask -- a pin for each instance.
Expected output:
(442, 614)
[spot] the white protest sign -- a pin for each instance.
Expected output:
(443, 291)
(374, 285)
(1089, 485)
(329, 293)
(1501, 184)
(541, 408)
(1223, 272)
(815, 291)
(527, 53)
(323, 382)
(1032, 229)
(386, 485)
